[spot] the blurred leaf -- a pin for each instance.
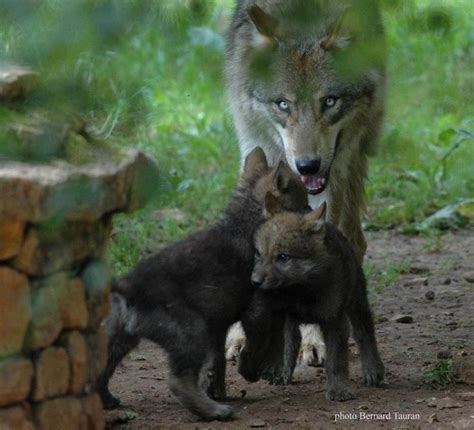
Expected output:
(184, 185)
(203, 36)
(447, 218)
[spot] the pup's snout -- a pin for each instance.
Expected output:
(308, 167)
(256, 280)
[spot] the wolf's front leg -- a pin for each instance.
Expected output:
(313, 350)
(349, 216)
(336, 335)
(235, 342)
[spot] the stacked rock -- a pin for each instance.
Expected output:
(55, 221)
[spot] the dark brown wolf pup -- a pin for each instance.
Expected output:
(185, 297)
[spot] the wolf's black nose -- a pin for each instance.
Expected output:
(308, 167)
(256, 283)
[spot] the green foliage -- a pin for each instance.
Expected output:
(150, 74)
(443, 373)
(389, 275)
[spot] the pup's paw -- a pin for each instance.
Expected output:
(275, 374)
(223, 413)
(373, 373)
(340, 393)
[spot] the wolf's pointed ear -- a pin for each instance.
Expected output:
(335, 39)
(255, 163)
(266, 27)
(272, 204)
(282, 177)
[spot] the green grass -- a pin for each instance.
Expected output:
(389, 274)
(161, 90)
(443, 373)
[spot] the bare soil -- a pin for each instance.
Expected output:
(441, 326)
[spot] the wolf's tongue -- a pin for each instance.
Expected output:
(314, 182)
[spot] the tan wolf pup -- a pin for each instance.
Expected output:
(306, 83)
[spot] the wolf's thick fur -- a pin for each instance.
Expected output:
(186, 296)
(308, 269)
(306, 83)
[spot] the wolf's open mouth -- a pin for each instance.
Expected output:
(315, 184)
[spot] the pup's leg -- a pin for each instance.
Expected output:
(120, 343)
(185, 336)
(364, 334)
(217, 384)
(264, 331)
(283, 356)
(336, 333)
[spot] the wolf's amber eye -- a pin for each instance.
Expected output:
(329, 102)
(283, 258)
(283, 105)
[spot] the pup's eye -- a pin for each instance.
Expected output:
(283, 258)
(329, 102)
(283, 105)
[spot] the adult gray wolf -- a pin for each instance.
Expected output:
(186, 296)
(306, 82)
(307, 268)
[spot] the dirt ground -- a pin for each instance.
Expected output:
(442, 325)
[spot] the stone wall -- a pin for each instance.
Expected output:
(55, 221)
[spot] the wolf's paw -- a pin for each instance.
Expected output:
(340, 393)
(374, 373)
(313, 350)
(234, 343)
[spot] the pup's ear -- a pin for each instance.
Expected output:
(335, 38)
(272, 204)
(255, 163)
(265, 25)
(282, 177)
(315, 220)
(318, 214)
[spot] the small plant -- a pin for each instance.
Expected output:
(434, 241)
(441, 374)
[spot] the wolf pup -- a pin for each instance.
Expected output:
(185, 297)
(307, 268)
(306, 83)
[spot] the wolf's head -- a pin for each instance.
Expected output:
(279, 185)
(289, 248)
(314, 68)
